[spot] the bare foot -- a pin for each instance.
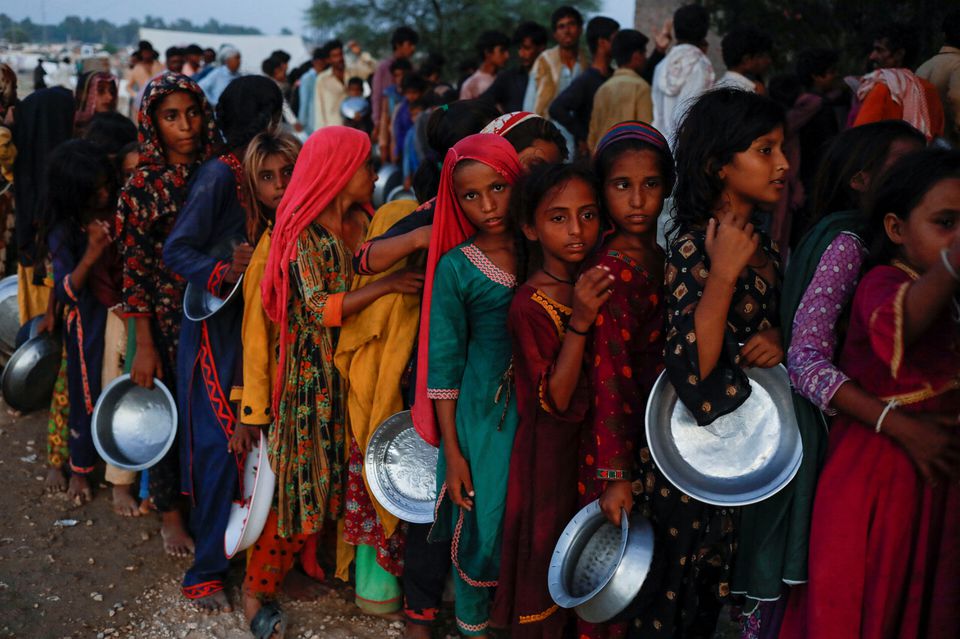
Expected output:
(389, 616)
(416, 631)
(55, 481)
(213, 604)
(147, 506)
(124, 503)
(176, 540)
(78, 490)
(300, 587)
(251, 606)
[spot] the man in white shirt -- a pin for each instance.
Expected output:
(747, 54)
(331, 88)
(685, 73)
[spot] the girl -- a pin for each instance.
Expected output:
(556, 207)
(883, 556)
(212, 217)
(176, 133)
(467, 376)
(78, 236)
(723, 286)
(268, 166)
(96, 93)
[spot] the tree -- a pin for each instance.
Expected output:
(449, 27)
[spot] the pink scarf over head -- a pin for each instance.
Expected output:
(450, 228)
(329, 159)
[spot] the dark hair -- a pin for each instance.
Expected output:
(210, 50)
(603, 162)
(529, 131)
(742, 42)
(249, 105)
(691, 23)
(404, 34)
(489, 41)
(951, 28)
(174, 51)
(330, 45)
(565, 12)
(280, 55)
(720, 124)
(145, 45)
(785, 89)
(355, 81)
(400, 64)
(900, 189)
(414, 82)
(526, 196)
(861, 149)
(110, 131)
(814, 62)
(319, 53)
(126, 150)
(193, 49)
(445, 127)
(626, 43)
(536, 32)
(901, 36)
(270, 65)
(600, 27)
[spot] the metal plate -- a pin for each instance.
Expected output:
(741, 458)
(134, 427)
(30, 375)
(9, 314)
(389, 176)
(401, 470)
(400, 193)
(29, 330)
(598, 569)
(350, 108)
(199, 303)
(249, 515)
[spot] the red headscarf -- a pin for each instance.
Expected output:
(450, 228)
(327, 162)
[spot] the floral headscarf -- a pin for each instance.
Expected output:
(87, 89)
(8, 87)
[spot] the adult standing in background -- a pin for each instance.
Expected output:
(331, 88)
(626, 95)
(556, 67)
(493, 48)
(510, 85)
(193, 59)
(146, 67)
(943, 72)
(358, 62)
(227, 71)
(404, 42)
(306, 89)
(747, 53)
(209, 57)
(175, 59)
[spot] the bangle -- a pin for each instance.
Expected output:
(892, 404)
(947, 265)
(576, 331)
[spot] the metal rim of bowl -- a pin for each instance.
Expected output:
(10, 282)
(121, 381)
(653, 440)
(257, 495)
(19, 353)
(372, 464)
(205, 294)
(397, 190)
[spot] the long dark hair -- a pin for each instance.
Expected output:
(899, 190)
(249, 105)
(862, 149)
(720, 124)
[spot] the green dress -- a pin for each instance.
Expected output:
(307, 439)
(469, 361)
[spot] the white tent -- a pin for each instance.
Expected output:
(254, 49)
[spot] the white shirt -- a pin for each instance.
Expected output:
(679, 79)
(734, 80)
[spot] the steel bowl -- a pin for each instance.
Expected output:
(29, 330)
(31, 373)
(354, 107)
(389, 177)
(401, 470)
(741, 458)
(134, 427)
(401, 193)
(9, 314)
(249, 515)
(598, 569)
(200, 304)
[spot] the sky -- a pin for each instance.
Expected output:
(279, 14)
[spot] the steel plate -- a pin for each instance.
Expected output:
(400, 193)
(31, 373)
(350, 108)
(134, 427)
(389, 176)
(401, 470)
(9, 314)
(198, 303)
(249, 515)
(741, 458)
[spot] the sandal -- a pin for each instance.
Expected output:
(270, 622)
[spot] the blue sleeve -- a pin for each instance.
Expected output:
(64, 261)
(185, 251)
(564, 107)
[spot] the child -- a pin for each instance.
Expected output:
(556, 208)
(176, 133)
(208, 350)
(723, 289)
(81, 190)
(464, 378)
(267, 166)
(410, 158)
(883, 556)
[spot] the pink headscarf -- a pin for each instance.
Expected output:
(327, 162)
(450, 228)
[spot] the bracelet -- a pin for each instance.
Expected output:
(947, 265)
(574, 330)
(892, 404)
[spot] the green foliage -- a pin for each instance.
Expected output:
(449, 27)
(105, 32)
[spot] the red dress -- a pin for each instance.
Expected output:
(542, 487)
(885, 545)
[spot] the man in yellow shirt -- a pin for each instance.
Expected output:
(626, 95)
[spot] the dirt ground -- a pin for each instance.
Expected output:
(108, 577)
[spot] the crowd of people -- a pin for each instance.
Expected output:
(522, 310)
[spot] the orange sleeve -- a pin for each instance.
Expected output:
(877, 106)
(935, 107)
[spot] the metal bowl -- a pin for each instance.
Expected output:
(389, 177)
(29, 330)
(9, 314)
(401, 470)
(134, 427)
(30, 375)
(249, 515)
(598, 569)
(199, 303)
(741, 458)
(353, 107)
(400, 193)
